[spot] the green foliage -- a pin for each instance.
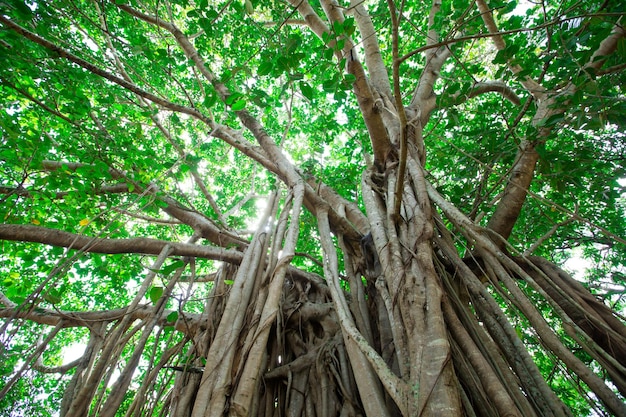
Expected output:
(54, 110)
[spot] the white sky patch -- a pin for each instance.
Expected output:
(86, 39)
(188, 185)
(72, 352)
(184, 135)
(522, 8)
(577, 266)
(260, 205)
(341, 117)
(77, 350)
(90, 44)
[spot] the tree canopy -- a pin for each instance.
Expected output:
(312, 208)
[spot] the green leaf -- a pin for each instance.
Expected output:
(349, 26)
(340, 95)
(285, 63)
(239, 105)
(155, 294)
(168, 269)
(172, 317)
(265, 68)
(52, 296)
(292, 44)
(329, 86)
(552, 120)
(338, 27)
(231, 99)
(306, 90)
(206, 25)
(210, 99)
(327, 37)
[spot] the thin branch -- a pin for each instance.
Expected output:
(533, 87)
(157, 121)
(399, 109)
(397, 388)
(39, 366)
(95, 70)
(549, 233)
(611, 70)
(37, 101)
(501, 33)
(522, 173)
(424, 99)
(607, 46)
(192, 218)
(363, 92)
(149, 219)
(295, 22)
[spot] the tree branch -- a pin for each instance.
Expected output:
(379, 137)
(397, 94)
(55, 237)
(192, 218)
(489, 87)
(373, 58)
(607, 46)
(424, 100)
(522, 173)
(70, 319)
(97, 71)
(533, 87)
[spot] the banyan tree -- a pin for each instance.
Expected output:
(312, 208)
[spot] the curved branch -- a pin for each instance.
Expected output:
(532, 86)
(105, 189)
(73, 166)
(489, 87)
(147, 246)
(195, 220)
(510, 206)
(607, 46)
(358, 347)
(273, 157)
(225, 133)
(295, 22)
(39, 366)
(501, 33)
(68, 319)
(397, 94)
(36, 101)
(284, 167)
(379, 137)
